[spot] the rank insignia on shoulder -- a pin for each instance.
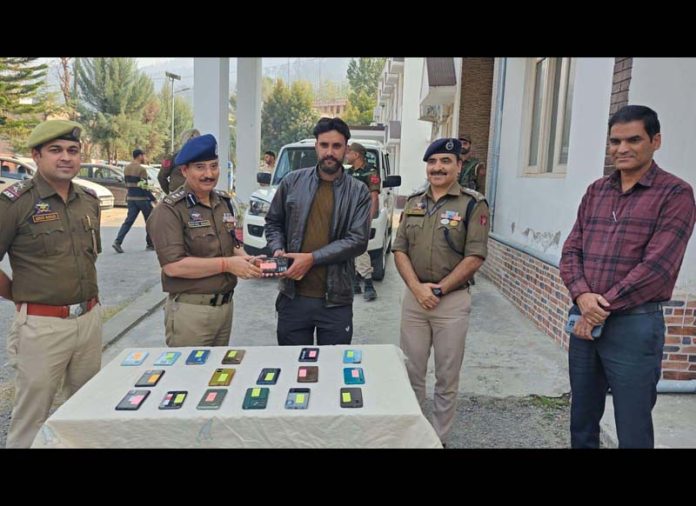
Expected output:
(16, 190)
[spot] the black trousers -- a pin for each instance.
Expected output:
(298, 317)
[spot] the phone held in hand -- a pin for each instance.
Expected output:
(573, 316)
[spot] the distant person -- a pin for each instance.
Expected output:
(620, 263)
(473, 174)
(193, 230)
(268, 165)
(356, 156)
(49, 227)
(139, 199)
(319, 218)
(170, 176)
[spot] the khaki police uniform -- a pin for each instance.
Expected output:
(436, 238)
(170, 176)
(57, 332)
(198, 312)
(368, 175)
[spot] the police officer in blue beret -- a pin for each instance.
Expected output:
(193, 230)
(441, 242)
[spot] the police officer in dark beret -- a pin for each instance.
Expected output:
(50, 229)
(193, 230)
(440, 244)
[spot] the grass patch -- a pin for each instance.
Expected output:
(551, 403)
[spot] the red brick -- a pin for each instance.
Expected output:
(681, 331)
(672, 340)
(678, 356)
(668, 364)
(688, 349)
(679, 375)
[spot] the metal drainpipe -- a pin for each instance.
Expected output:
(498, 120)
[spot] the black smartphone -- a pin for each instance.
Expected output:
(308, 374)
(222, 377)
(309, 355)
(351, 398)
(150, 378)
(256, 398)
(173, 399)
(268, 376)
(274, 265)
(212, 398)
(133, 400)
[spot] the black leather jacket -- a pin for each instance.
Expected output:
(350, 229)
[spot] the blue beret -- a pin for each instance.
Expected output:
(198, 149)
(445, 145)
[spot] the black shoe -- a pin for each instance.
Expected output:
(370, 293)
(356, 286)
(150, 247)
(117, 247)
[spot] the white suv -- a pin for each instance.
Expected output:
(301, 155)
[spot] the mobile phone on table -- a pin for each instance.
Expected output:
(222, 377)
(268, 376)
(150, 378)
(173, 399)
(353, 376)
(212, 398)
(351, 398)
(256, 398)
(307, 374)
(133, 400)
(298, 398)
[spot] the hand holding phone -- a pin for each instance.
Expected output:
(573, 316)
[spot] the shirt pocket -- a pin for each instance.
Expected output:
(50, 238)
(456, 235)
(88, 232)
(414, 228)
(203, 242)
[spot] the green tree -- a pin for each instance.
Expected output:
(363, 76)
(23, 99)
(288, 115)
(113, 96)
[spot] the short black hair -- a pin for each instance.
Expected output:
(137, 153)
(642, 113)
(327, 124)
(270, 153)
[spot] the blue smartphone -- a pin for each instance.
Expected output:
(197, 357)
(570, 325)
(353, 376)
(352, 357)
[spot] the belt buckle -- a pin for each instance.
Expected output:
(76, 310)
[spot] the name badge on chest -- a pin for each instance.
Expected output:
(417, 210)
(229, 220)
(197, 221)
(43, 213)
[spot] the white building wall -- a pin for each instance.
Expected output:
(415, 134)
(668, 85)
(539, 211)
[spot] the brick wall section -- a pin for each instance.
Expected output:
(537, 290)
(475, 103)
(619, 97)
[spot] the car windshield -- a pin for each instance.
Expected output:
(303, 157)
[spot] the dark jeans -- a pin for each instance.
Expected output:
(135, 207)
(627, 358)
(298, 317)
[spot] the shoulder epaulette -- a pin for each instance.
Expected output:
(175, 197)
(88, 191)
(416, 194)
(13, 192)
(473, 193)
(223, 194)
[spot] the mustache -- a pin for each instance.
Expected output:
(207, 180)
(437, 173)
(329, 158)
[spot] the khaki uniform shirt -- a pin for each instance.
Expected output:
(368, 175)
(53, 245)
(170, 176)
(181, 226)
(422, 236)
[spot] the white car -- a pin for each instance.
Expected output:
(17, 169)
(301, 155)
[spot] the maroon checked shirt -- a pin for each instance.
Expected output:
(628, 247)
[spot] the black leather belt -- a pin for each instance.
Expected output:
(648, 307)
(220, 298)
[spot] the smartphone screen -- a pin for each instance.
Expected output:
(298, 398)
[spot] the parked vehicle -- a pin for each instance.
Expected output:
(112, 177)
(14, 169)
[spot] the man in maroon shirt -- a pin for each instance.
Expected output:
(620, 261)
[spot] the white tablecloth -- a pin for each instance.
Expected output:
(390, 417)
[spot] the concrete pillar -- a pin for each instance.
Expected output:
(248, 125)
(211, 98)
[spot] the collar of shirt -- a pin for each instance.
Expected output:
(192, 200)
(646, 179)
(46, 190)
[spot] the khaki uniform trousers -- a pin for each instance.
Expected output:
(363, 265)
(44, 350)
(444, 328)
(197, 325)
